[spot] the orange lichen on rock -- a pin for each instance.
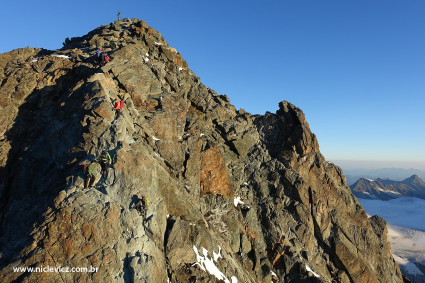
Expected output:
(178, 59)
(214, 178)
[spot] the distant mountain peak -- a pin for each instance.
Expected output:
(414, 177)
(415, 181)
(388, 189)
(363, 181)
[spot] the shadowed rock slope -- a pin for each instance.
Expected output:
(190, 152)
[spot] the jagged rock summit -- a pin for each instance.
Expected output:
(234, 197)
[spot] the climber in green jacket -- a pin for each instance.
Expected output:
(89, 170)
(141, 207)
(104, 160)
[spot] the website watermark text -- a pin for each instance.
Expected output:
(64, 269)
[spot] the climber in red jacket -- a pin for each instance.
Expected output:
(105, 58)
(118, 106)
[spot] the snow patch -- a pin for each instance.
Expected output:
(387, 191)
(407, 247)
(370, 180)
(201, 135)
(237, 201)
(310, 270)
(155, 139)
(146, 59)
(34, 60)
(147, 54)
(207, 264)
(157, 43)
(217, 256)
(61, 56)
(180, 68)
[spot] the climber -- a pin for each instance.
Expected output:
(104, 57)
(141, 207)
(118, 107)
(98, 54)
(104, 160)
(89, 171)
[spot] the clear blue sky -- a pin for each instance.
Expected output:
(356, 68)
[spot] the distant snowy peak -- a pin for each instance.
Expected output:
(386, 189)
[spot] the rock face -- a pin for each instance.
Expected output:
(388, 189)
(233, 196)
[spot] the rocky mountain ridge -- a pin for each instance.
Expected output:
(234, 197)
(396, 174)
(386, 189)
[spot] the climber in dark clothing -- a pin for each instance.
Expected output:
(89, 170)
(99, 55)
(99, 52)
(104, 160)
(141, 206)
